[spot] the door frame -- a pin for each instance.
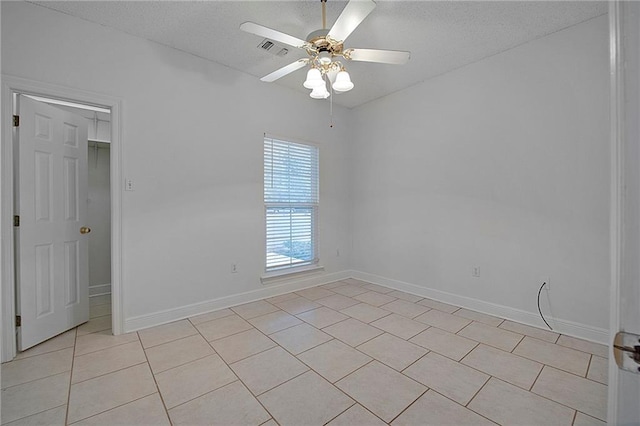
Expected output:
(10, 86)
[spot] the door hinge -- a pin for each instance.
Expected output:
(16, 220)
(18, 321)
(16, 120)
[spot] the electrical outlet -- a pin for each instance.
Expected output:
(475, 271)
(545, 279)
(234, 268)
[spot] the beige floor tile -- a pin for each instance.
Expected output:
(352, 332)
(433, 409)
(242, 345)
(95, 325)
(223, 327)
(349, 290)
(337, 302)
(254, 309)
(269, 422)
(53, 417)
(322, 317)
(405, 296)
(442, 307)
(232, 404)
(268, 369)
(155, 336)
(400, 326)
(210, 316)
(97, 363)
(504, 365)
(527, 330)
(314, 293)
(99, 311)
(334, 284)
(444, 343)
(365, 312)
(147, 411)
(480, 317)
(599, 369)
(281, 297)
(275, 321)
(191, 380)
(584, 346)
(305, 400)
(576, 392)
(492, 336)
(355, 281)
(334, 360)
(374, 298)
(450, 378)
(102, 340)
(112, 390)
(382, 390)
(443, 320)
(507, 404)
(178, 352)
(62, 341)
(377, 288)
(36, 367)
(584, 420)
(297, 305)
(404, 308)
(34, 397)
(570, 360)
(392, 351)
(300, 338)
(356, 416)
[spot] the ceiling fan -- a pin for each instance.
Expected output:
(324, 46)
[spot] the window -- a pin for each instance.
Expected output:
(291, 204)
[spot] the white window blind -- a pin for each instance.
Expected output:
(291, 203)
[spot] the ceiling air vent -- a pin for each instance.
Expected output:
(273, 47)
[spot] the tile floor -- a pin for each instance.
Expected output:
(346, 353)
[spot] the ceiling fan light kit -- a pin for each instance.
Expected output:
(324, 46)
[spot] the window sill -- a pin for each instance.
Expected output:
(275, 276)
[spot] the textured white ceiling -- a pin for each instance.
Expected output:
(441, 36)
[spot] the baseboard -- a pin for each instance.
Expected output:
(276, 289)
(99, 289)
(594, 334)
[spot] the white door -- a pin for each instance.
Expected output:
(51, 200)
(624, 385)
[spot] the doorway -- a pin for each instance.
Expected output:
(104, 159)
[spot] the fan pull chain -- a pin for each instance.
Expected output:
(331, 106)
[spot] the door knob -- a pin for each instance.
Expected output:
(85, 230)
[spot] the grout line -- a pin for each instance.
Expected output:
(154, 380)
(575, 415)
(73, 358)
(35, 414)
(109, 372)
(412, 402)
(341, 412)
(467, 406)
(517, 344)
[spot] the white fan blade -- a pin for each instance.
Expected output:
(353, 14)
(262, 31)
(396, 57)
(285, 70)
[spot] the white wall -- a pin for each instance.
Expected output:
(99, 220)
(502, 164)
(192, 144)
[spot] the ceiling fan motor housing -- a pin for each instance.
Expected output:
(318, 39)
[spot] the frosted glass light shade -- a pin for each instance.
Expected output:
(320, 92)
(343, 82)
(314, 79)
